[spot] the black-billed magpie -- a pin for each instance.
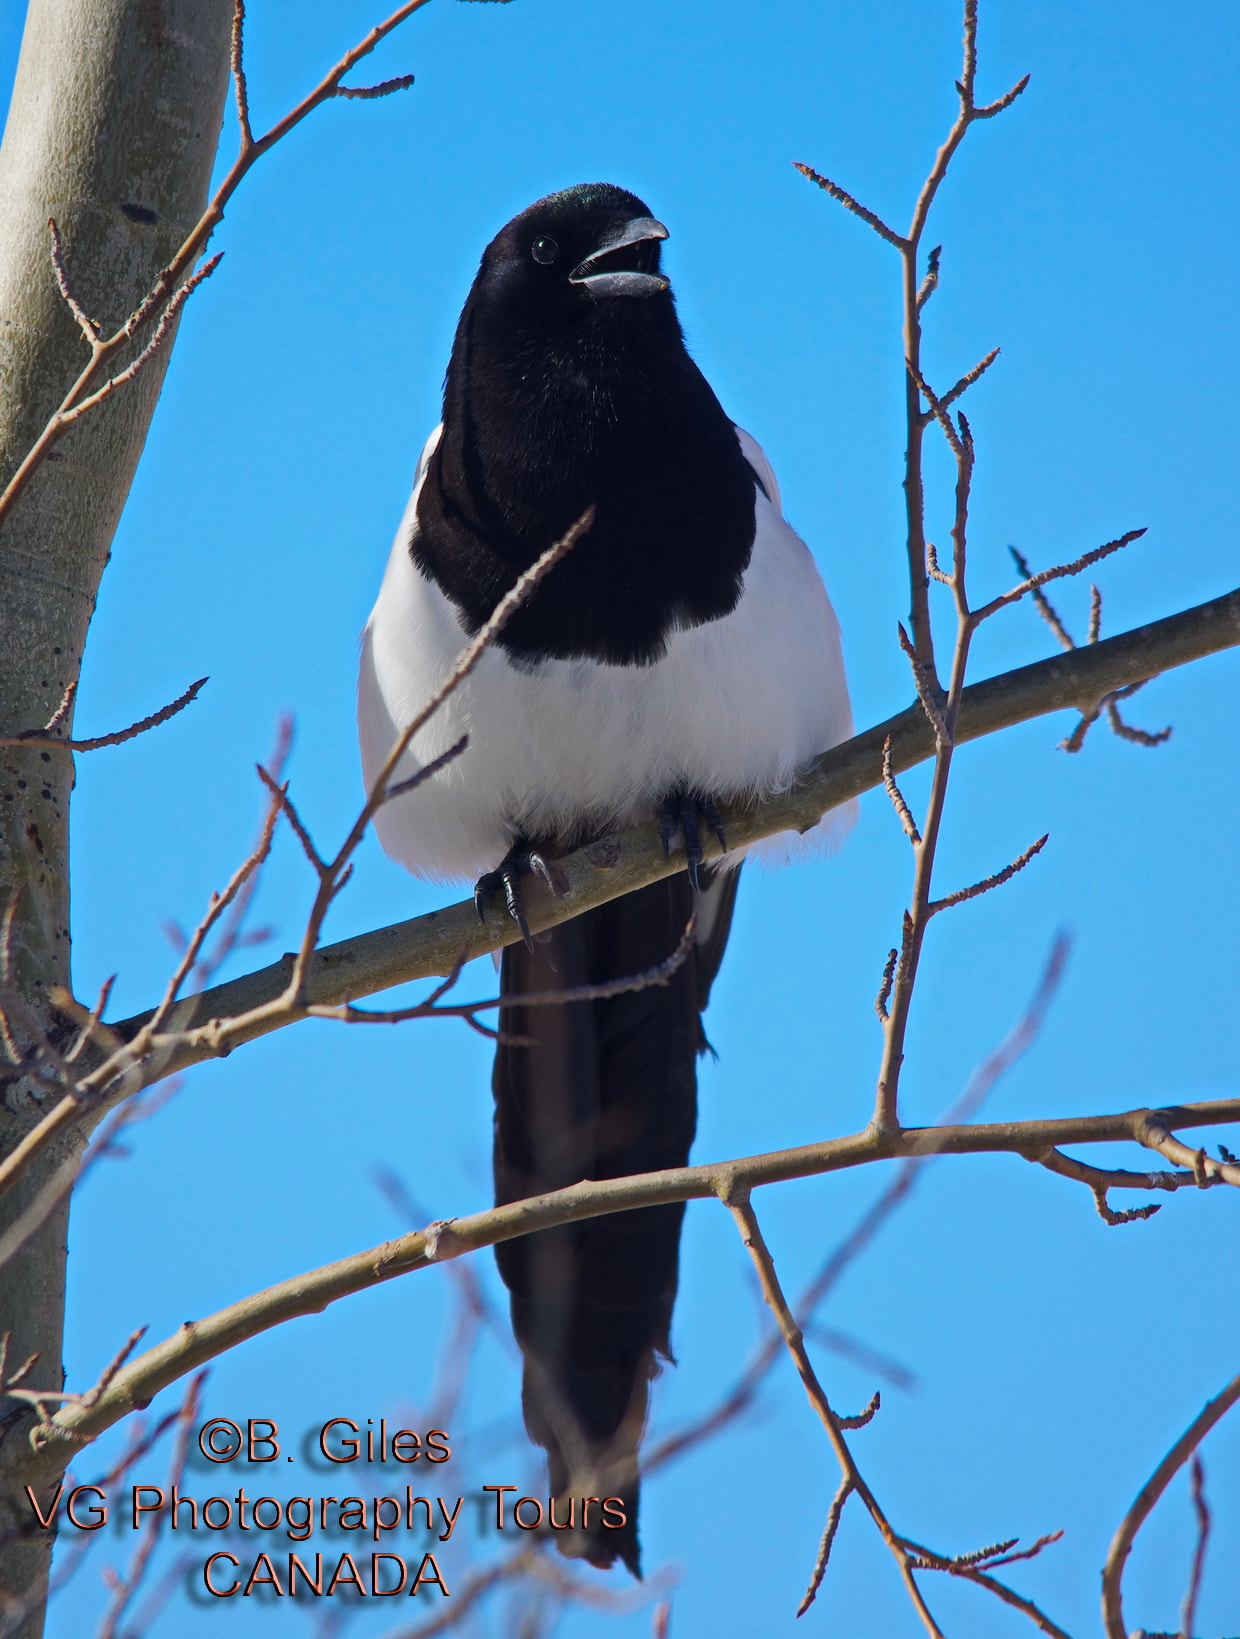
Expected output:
(685, 651)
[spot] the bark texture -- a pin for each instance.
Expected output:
(112, 131)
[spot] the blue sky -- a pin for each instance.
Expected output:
(1089, 233)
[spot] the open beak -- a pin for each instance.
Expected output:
(623, 265)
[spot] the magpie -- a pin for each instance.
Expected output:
(684, 652)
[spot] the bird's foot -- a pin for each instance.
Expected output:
(522, 859)
(681, 812)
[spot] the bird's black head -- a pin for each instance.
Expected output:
(570, 386)
(568, 256)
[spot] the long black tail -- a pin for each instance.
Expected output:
(605, 1089)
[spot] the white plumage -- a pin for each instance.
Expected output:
(562, 748)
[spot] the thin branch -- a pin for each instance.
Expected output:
(1125, 1536)
(932, 565)
(140, 1562)
(1126, 731)
(652, 977)
(1046, 609)
(967, 380)
(850, 204)
(1100, 1180)
(385, 88)
(930, 283)
(288, 809)
(938, 406)
(738, 1203)
(992, 1585)
(884, 989)
(163, 330)
(924, 682)
(834, 1514)
(49, 736)
(86, 325)
(195, 1344)
(240, 88)
(1031, 1552)
(1201, 1510)
(428, 770)
(219, 904)
(989, 882)
(1204, 1168)
(1110, 702)
(1095, 614)
(907, 822)
(175, 281)
(1033, 582)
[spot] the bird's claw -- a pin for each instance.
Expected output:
(521, 859)
(680, 812)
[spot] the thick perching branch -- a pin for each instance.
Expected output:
(432, 945)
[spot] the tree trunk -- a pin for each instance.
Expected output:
(112, 131)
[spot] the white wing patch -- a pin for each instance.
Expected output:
(563, 747)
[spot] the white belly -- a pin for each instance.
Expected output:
(571, 746)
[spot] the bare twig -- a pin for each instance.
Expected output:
(927, 690)
(167, 322)
(1108, 702)
(738, 1203)
(1201, 1509)
(87, 326)
(660, 974)
(1204, 1168)
(930, 283)
(1032, 583)
(178, 279)
(850, 204)
(385, 88)
(834, 1514)
(1047, 610)
(966, 381)
(897, 799)
(989, 882)
(983, 1579)
(1095, 614)
(1125, 1536)
(49, 735)
(127, 1587)
(237, 65)
(884, 989)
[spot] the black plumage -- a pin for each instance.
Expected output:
(570, 385)
(607, 1089)
(557, 399)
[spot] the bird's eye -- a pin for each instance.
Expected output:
(544, 251)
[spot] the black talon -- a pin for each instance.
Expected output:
(714, 819)
(506, 877)
(678, 813)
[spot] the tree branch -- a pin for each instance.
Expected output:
(197, 1342)
(429, 946)
(1134, 1519)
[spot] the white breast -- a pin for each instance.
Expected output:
(733, 708)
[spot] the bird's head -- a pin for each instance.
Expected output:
(571, 257)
